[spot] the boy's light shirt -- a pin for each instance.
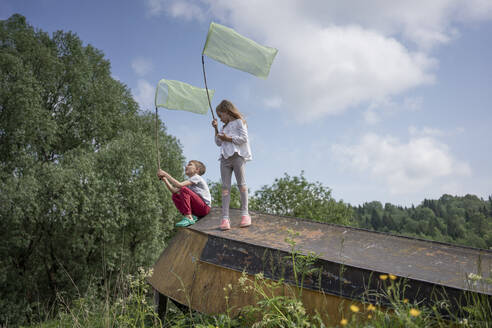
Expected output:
(200, 187)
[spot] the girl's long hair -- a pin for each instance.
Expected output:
(226, 106)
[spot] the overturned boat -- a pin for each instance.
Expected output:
(353, 266)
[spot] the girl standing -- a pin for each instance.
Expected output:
(234, 152)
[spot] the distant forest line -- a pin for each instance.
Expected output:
(464, 220)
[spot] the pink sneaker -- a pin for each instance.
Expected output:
(225, 224)
(245, 221)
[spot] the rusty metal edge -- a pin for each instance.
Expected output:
(422, 287)
(303, 252)
(375, 232)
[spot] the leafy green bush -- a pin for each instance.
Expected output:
(297, 197)
(80, 201)
(128, 305)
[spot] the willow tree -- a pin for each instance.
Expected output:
(79, 198)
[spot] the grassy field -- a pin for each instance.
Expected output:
(130, 304)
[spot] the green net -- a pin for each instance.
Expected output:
(231, 48)
(178, 95)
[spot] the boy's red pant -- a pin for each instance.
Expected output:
(187, 202)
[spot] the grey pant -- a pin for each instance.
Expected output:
(227, 166)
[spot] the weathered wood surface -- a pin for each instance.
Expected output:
(181, 276)
(427, 261)
(201, 261)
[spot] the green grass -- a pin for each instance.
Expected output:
(130, 304)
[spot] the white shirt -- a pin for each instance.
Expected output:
(238, 131)
(200, 187)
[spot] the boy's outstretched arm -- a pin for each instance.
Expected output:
(163, 174)
(169, 186)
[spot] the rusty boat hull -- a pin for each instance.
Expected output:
(201, 263)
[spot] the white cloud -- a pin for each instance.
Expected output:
(273, 102)
(141, 66)
(371, 117)
(186, 10)
(412, 103)
(425, 131)
(342, 67)
(424, 23)
(337, 55)
(433, 132)
(390, 105)
(144, 94)
(403, 167)
(176, 8)
(381, 108)
(155, 7)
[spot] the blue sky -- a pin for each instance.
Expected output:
(387, 100)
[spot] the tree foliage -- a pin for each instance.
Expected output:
(295, 196)
(216, 192)
(463, 220)
(79, 198)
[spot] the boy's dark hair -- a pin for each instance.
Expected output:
(200, 166)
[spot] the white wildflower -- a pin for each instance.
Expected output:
(474, 276)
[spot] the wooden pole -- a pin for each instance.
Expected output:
(157, 139)
(206, 87)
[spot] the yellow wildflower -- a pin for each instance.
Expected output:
(354, 308)
(369, 316)
(414, 312)
(344, 322)
(405, 300)
(371, 307)
(383, 276)
(392, 277)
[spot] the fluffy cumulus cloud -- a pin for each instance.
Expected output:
(433, 132)
(384, 107)
(273, 102)
(336, 68)
(425, 131)
(403, 167)
(144, 94)
(422, 23)
(336, 55)
(176, 8)
(141, 66)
